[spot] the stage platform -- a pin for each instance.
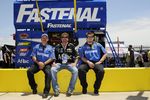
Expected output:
(115, 80)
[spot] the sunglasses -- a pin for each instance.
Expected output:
(90, 36)
(64, 37)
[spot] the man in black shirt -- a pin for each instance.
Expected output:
(131, 53)
(65, 54)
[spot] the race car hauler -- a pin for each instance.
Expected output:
(57, 16)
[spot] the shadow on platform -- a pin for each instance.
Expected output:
(137, 97)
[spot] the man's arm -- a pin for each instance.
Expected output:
(84, 60)
(48, 61)
(34, 59)
(91, 64)
(51, 57)
(102, 59)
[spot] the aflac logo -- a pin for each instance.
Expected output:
(23, 61)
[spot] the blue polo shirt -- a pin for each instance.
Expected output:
(43, 53)
(93, 52)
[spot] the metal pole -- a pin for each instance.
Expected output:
(39, 15)
(75, 15)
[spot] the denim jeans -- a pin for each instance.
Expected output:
(59, 67)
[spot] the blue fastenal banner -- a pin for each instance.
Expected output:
(90, 14)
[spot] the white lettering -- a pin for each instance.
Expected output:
(22, 12)
(51, 25)
(33, 16)
(42, 54)
(23, 54)
(44, 14)
(88, 14)
(22, 61)
(63, 14)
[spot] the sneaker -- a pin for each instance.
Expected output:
(34, 91)
(96, 92)
(56, 93)
(69, 93)
(84, 91)
(44, 95)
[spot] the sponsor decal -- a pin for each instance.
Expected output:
(23, 43)
(23, 35)
(51, 25)
(24, 61)
(23, 51)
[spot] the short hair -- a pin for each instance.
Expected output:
(91, 32)
(130, 46)
(65, 34)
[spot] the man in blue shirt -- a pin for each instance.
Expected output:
(92, 55)
(66, 58)
(42, 56)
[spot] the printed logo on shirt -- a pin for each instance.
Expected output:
(92, 55)
(42, 54)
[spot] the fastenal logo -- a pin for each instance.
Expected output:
(27, 13)
(51, 25)
(23, 35)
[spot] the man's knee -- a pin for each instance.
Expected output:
(47, 72)
(75, 71)
(29, 71)
(99, 67)
(82, 67)
(54, 70)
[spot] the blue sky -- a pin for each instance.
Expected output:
(127, 19)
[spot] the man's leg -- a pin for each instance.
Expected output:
(73, 80)
(47, 72)
(30, 73)
(55, 85)
(99, 72)
(82, 70)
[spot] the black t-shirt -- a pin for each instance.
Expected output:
(70, 53)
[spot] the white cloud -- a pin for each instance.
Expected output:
(135, 31)
(6, 39)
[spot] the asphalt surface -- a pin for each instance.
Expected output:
(138, 95)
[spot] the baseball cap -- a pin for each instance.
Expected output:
(44, 35)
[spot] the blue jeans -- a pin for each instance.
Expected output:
(59, 67)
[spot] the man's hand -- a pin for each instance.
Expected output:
(73, 64)
(41, 65)
(91, 65)
(54, 64)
